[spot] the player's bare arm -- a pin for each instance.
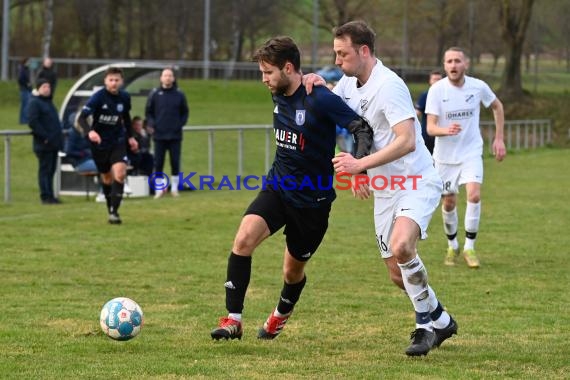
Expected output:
(404, 143)
(499, 149)
(433, 129)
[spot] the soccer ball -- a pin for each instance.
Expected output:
(121, 318)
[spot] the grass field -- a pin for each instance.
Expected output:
(60, 264)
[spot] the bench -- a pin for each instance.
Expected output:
(70, 182)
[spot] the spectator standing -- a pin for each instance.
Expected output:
(166, 114)
(25, 86)
(47, 73)
(48, 139)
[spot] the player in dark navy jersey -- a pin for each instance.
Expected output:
(298, 192)
(304, 145)
(109, 131)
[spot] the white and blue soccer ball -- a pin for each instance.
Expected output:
(121, 318)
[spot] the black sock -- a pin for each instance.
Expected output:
(470, 235)
(290, 295)
(116, 196)
(107, 193)
(437, 312)
(451, 237)
(239, 273)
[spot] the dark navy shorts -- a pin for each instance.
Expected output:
(104, 159)
(304, 227)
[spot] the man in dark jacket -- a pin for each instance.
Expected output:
(48, 74)
(25, 86)
(48, 138)
(166, 113)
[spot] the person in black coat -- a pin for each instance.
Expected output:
(25, 86)
(166, 113)
(48, 138)
(48, 74)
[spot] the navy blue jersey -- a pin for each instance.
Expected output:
(111, 117)
(305, 135)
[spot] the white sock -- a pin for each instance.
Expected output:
(415, 279)
(450, 222)
(174, 183)
(472, 218)
(444, 318)
(278, 314)
(235, 316)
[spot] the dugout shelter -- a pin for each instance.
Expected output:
(139, 79)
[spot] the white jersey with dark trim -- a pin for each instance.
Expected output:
(384, 101)
(461, 105)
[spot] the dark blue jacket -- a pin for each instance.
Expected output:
(45, 125)
(77, 147)
(167, 112)
(24, 81)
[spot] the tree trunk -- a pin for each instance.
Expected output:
(48, 28)
(129, 30)
(512, 84)
(514, 23)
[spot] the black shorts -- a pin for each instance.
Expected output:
(104, 159)
(304, 227)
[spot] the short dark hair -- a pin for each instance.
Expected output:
(278, 51)
(458, 49)
(359, 32)
(114, 70)
(435, 72)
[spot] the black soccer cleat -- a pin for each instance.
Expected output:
(227, 329)
(114, 218)
(422, 342)
(441, 335)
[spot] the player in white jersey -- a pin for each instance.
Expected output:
(452, 109)
(401, 213)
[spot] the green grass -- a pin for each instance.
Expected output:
(60, 264)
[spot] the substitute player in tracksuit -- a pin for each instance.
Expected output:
(298, 192)
(108, 131)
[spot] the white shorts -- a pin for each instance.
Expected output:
(418, 205)
(455, 175)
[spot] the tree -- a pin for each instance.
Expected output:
(48, 27)
(514, 18)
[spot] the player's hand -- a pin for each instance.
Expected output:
(360, 190)
(134, 145)
(312, 79)
(454, 129)
(345, 162)
(499, 150)
(94, 137)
